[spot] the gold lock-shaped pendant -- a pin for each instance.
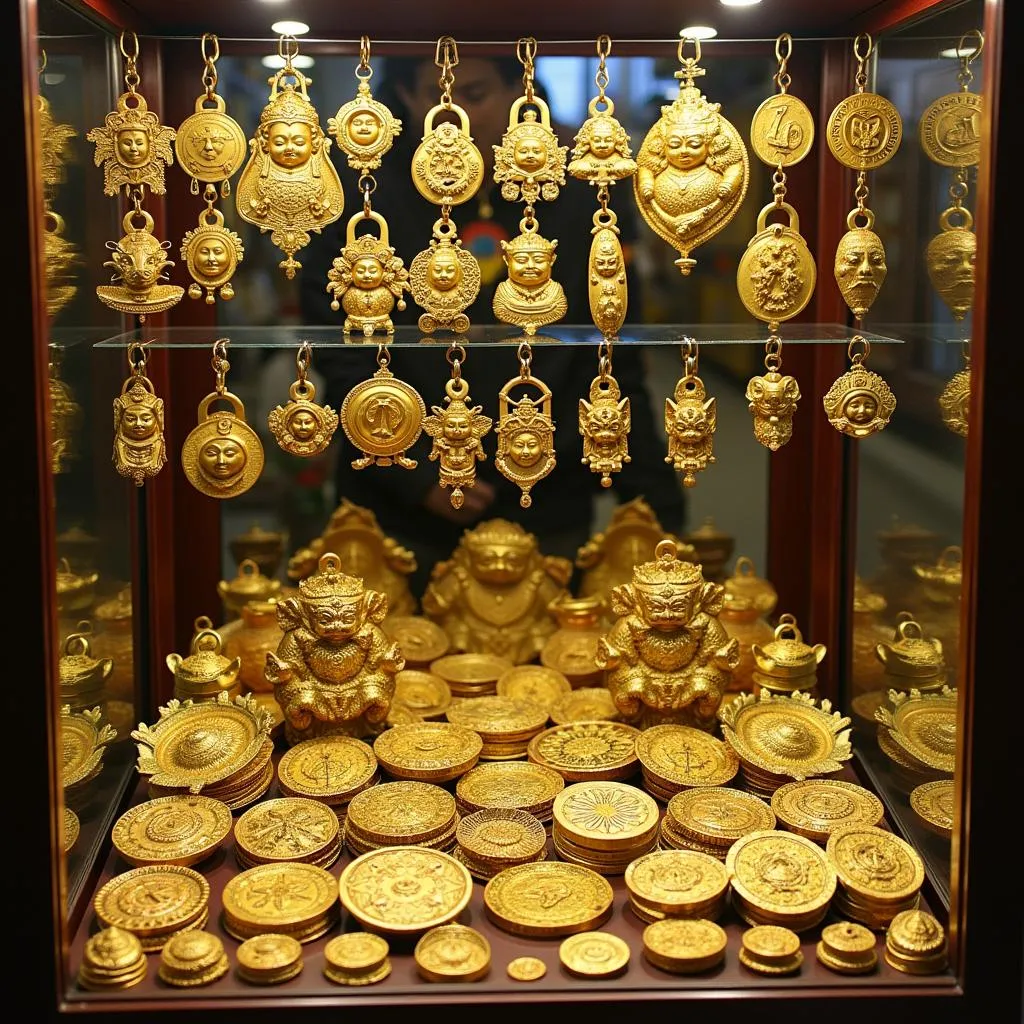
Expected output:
(529, 163)
(139, 259)
(447, 168)
(210, 145)
(222, 456)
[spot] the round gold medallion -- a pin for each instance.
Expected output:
(782, 131)
(269, 958)
(950, 130)
(684, 756)
(152, 900)
(422, 693)
(193, 958)
(470, 670)
(864, 131)
(453, 952)
(383, 416)
(171, 830)
(498, 716)
(526, 968)
(594, 955)
(534, 684)
(422, 641)
(714, 814)
(447, 168)
(499, 833)
(398, 811)
(873, 862)
(818, 807)
(209, 144)
(71, 829)
(587, 704)
(606, 815)
(287, 829)
(328, 768)
(847, 948)
(587, 750)
(437, 751)
(513, 784)
(771, 950)
(356, 951)
(933, 803)
(683, 946)
(222, 456)
(674, 880)
(280, 897)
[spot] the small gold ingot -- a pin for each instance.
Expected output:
(690, 422)
(211, 253)
(526, 435)
(140, 450)
(444, 279)
(604, 425)
(860, 402)
(302, 427)
(529, 298)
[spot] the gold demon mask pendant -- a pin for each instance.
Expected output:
(301, 427)
(526, 434)
(529, 298)
(604, 425)
(529, 164)
(690, 421)
(139, 447)
(773, 399)
(444, 280)
(139, 261)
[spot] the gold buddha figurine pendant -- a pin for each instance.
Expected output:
(457, 429)
(604, 422)
(140, 450)
(529, 298)
(860, 402)
(693, 169)
(690, 421)
(773, 397)
(222, 455)
(302, 427)
(382, 417)
(211, 253)
(444, 279)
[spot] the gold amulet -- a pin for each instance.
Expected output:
(690, 421)
(529, 164)
(444, 280)
(604, 425)
(222, 456)
(447, 168)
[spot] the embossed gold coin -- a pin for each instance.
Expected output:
(874, 863)
(422, 693)
(292, 828)
(331, 769)
(933, 803)
(606, 815)
(171, 830)
(675, 881)
(513, 784)
(269, 959)
(587, 704)
(463, 671)
(292, 898)
(422, 641)
(771, 949)
(501, 834)
(950, 129)
(499, 718)
(684, 947)
(587, 750)
(394, 813)
(594, 954)
(526, 968)
(679, 755)
(356, 951)
(434, 751)
(193, 958)
(69, 836)
(716, 815)
(847, 948)
(453, 952)
(782, 131)
(383, 416)
(818, 807)
(153, 900)
(864, 131)
(534, 684)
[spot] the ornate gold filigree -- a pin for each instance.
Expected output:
(140, 450)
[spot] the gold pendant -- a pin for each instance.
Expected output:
(444, 280)
(289, 186)
(383, 417)
(690, 421)
(773, 398)
(604, 422)
(364, 127)
(65, 417)
(950, 257)
(860, 266)
(606, 276)
(132, 145)
(526, 431)
(211, 253)
(59, 256)
(457, 429)
(860, 402)
(139, 260)
(140, 450)
(53, 141)
(950, 128)
(693, 169)
(222, 456)
(955, 401)
(367, 279)
(529, 298)
(302, 427)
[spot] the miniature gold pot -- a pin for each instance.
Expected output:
(256, 637)
(787, 663)
(249, 585)
(572, 648)
(912, 661)
(205, 672)
(81, 675)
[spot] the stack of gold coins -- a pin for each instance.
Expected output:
(587, 751)
(932, 804)
(421, 640)
(331, 769)
(709, 819)
(684, 946)
(112, 959)
(677, 883)
(192, 959)
(154, 903)
(847, 948)
(428, 751)
(594, 955)
(452, 952)
(471, 675)
(678, 757)
(269, 959)
(587, 704)
(604, 825)
(422, 693)
(356, 958)
(498, 838)
(915, 943)
(816, 808)
(289, 829)
(239, 790)
(504, 725)
(295, 900)
(771, 949)
(780, 878)
(880, 875)
(171, 830)
(401, 814)
(514, 785)
(535, 684)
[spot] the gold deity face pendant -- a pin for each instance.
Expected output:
(457, 429)
(690, 421)
(606, 276)
(444, 280)
(955, 402)
(773, 398)
(139, 447)
(860, 266)
(529, 298)
(364, 128)
(859, 403)
(139, 261)
(526, 436)
(222, 456)
(367, 280)
(447, 168)
(301, 427)
(211, 253)
(950, 257)
(210, 144)
(529, 164)
(132, 146)
(601, 154)
(604, 424)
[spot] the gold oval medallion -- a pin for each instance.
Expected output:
(950, 130)
(782, 131)
(210, 145)
(382, 417)
(864, 131)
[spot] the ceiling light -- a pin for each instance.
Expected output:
(739, 3)
(698, 32)
(290, 28)
(967, 51)
(276, 61)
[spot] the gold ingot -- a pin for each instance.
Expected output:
(949, 258)
(529, 298)
(847, 948)
(180, 830)
(818, 807)
(452, 952)
(594, 955)
(860, 267)
(776, 273)
(444, 280)
(874, 864)
(140, 449)
(923, 726)
(604, 424)
(302, 427)
(447, 168)
(526, 968)
(690, 422)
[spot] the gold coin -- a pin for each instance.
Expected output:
(436, 750)
(594, 954)
(112, 950)
(193, 958)
(782, 131)
(864, 131)
(356, 951)
(781, 873)
(383, 415)
(470, 669)
(818, 807)
(934, 804)
(515, 784)
(587, 704)
(771, 943)
(683, 756)
(288, 829)
(672, 880)
(841, 966)
(498, 716)
(547, 898)
(421, 640)
(358, 978)
(328, 768)
(171, 830)
(785, 967)
(526, 968)
(871, 862)
(718, 815)
(675, 941)
(422, 693)
(152, 900)
(280, 897)
(500, 833)
(72, 828)
(453, 952)
(606, 815)
(268, 954)
(401, 812)
(587, 750)
(950, 129)
(534, 684)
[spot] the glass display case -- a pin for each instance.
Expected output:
(858, 567)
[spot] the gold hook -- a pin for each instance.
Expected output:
(285, 49)
(304, 359)
(604, 46)
(210, 37)
(858, 355)
(682, 44)
(865, 39)
(784, 48)
(446, 55)
(364, 51)
(128, 34)
(137, 355)
(526, 50)
(970, 55)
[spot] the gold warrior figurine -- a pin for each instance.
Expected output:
(140, 450)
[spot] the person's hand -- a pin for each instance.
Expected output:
(476, 501)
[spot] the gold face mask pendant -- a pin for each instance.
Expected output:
(139, 447)
(605, 421)
(690, 421)
(457, 429)
(222, 456)
(444, 280)
(383, 417)
(302, 427)
(526, 431)
(289, 186)
(693, 169)
(859, 403)
(773, 399)
(529, 298)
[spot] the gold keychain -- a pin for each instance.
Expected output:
(860, 402)
(693, 169)
(955, 400)
(457, 429)
(140, 450)
(289, 186)
(383, 417)
(302, 427)
(777, 273)
(222, 455)
(690, 420)
(526, 431)
(605, 421)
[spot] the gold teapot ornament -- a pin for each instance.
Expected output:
(604, 422)
(860, 402)
(140, 449)
(529, 298)
(302, 427)
(911, 659)
(248, 585)
(690, 421)
(205, 672)
(747, 603)
(444, 279)
(667, 657)
(786, 663)
(82, 676)
(692, 167)
(75, 592)
(334, 670)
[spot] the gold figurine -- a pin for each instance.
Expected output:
(444, 279)
(605, 421)
(289, 186)
(955, 400)
(773, 397)
(140, 450)
(457, 429)
(222, 455)
(693, 169)
(690, 421)
(211, 253)
(302, 427)
(529, 298)
(859, 403)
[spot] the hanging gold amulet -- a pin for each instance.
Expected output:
(222, 456)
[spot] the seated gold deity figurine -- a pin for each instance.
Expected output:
(667, 657)
(334, 670)
(529, 298)
(492, 595)
(602, 154)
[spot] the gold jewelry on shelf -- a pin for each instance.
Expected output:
(140, 450)
(690, 420)
(605, 421)
(529, 298)
(302, 427)
(444, 279)
(955, 400)
(860, 402)
(773, 397)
